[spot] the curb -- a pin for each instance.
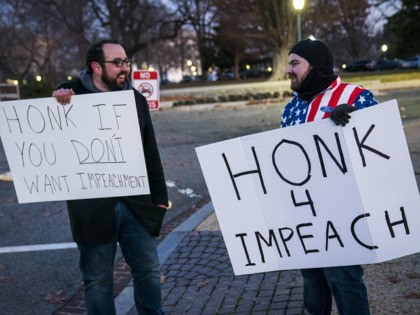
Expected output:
(124, 301)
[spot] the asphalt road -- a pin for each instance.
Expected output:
(37, 281)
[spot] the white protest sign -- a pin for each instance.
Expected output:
(316, 195)
(90, 148)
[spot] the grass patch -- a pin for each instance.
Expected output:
(382, 76)
(351, 77)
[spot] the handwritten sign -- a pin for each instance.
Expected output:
(88, 149)
(316, 195)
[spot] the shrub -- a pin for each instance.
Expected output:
(35, 90)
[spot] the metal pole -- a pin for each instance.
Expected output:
(299, 34)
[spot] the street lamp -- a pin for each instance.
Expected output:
(384, 48)
(298, 5)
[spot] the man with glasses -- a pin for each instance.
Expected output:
(134, 221)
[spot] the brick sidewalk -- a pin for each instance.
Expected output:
(122, 275)
(199, 279)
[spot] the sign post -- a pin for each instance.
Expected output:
(147, 83)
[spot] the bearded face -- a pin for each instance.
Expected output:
(297, 71)
(112, 73)
(115, 82)
(296, 81)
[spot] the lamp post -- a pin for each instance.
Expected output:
(384, 48)
(298, 5)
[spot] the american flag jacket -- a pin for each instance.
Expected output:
(298, 111)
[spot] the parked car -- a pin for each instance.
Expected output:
(227, 75)
(251, 73)
(411, 63)
(187, 79)
(383, 64)
(359, 65)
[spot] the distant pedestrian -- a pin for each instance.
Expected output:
(319, 94)
(134, 221)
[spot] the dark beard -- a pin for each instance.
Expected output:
(295, 86)
(314, 83)
(112, 82)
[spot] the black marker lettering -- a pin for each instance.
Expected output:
(242, 236)
(309, 202)
(301, 237)
(269, 243)
(392, 224)
(289, 181)
(335, 235)
(286, 239)
(233, 176)
(342, 167)
(361, 145)
(353, 232)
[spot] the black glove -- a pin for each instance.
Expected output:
(340, 114)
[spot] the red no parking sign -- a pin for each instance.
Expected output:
(147, 83)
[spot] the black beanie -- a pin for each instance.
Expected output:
(316, 53)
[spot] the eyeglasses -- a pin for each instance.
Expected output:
(119, 62)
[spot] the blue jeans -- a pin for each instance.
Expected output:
(344, 283)
(139, 248)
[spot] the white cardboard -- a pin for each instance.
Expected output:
(346, 223)
(90, 148)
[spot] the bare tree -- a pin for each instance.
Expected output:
(51, 36)
(200, 15)
(279, 23)
(136, 23)
(239, 31)
(354, 26)
(28, 42)
(342, 25)
(74, 28)
(404, 25)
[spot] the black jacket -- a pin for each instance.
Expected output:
(92, 220)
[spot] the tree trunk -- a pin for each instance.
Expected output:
(280, 55)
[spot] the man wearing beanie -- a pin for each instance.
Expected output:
(319, 94)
